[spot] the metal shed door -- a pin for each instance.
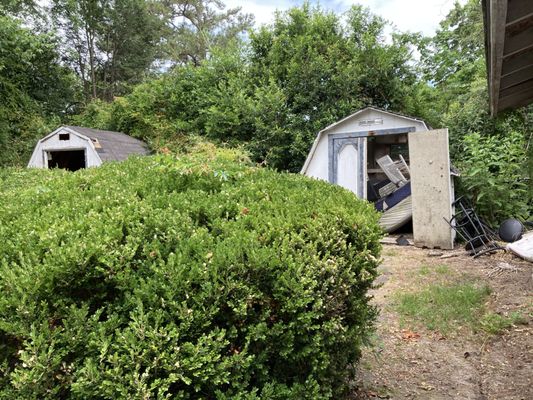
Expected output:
(347, 161)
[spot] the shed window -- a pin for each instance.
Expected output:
(64, 136)
(96, 143)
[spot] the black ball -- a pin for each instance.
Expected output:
(511, 230)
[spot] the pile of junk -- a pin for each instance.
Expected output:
(513, 235)
(392, 197)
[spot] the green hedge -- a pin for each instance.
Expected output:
(191, 278)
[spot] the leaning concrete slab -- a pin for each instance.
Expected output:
(431, 187)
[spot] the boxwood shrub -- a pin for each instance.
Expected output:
(198, 277)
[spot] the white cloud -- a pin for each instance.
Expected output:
(406, 15)
(414, 16)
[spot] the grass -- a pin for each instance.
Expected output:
(390, 252)
(495, 324)
(442, 269)
(444, 307)
(427, 270)
(424, 270)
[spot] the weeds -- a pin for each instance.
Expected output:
(444, 307)
(390, 252)
(442, 269)
(427, 270)
(495, 324)
(424, 270)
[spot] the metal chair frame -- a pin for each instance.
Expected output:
(479, 237)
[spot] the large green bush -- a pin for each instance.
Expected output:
(190, 278)
(495, 177)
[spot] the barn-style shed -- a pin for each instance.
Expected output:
(75, 147)
(347, 151)
(394, 161)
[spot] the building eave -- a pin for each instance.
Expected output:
(509, 52)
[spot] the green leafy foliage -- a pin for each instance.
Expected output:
(191, 278)
(494, 324)
(456, 53)
(494, 176)
(304, 72)
(195, 27)
(96, 114)
(33, 88)
(269, 95)
(492, 152)
(109, 44)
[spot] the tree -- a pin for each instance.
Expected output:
(457, 49)
(325, 69)
(34, 87)
(111, 44)
(79, 20)
(16, 7)
(454, 57)
(307, 70)
(457, 98)
(196, 26)
(130, 42)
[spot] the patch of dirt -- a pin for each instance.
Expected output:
(411, 362)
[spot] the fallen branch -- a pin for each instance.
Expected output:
(454, 254)
(501, 268)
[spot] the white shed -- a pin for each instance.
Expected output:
(346, 153)
(74, 147)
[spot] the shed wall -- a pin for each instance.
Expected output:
(52, 143)
(318, 164)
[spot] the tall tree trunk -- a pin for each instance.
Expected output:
(90, 45)
(105, 90)
(113, 81)
(81, 68)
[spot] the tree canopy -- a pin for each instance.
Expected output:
(35, 88)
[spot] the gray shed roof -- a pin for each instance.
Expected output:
(113, 146)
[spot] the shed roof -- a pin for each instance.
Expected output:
(509, 52)
(114, 146)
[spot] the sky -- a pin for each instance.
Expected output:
(406, 15)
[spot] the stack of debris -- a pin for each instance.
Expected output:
(481, 239)
(393, 195)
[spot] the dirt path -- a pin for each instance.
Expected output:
(410, 361)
